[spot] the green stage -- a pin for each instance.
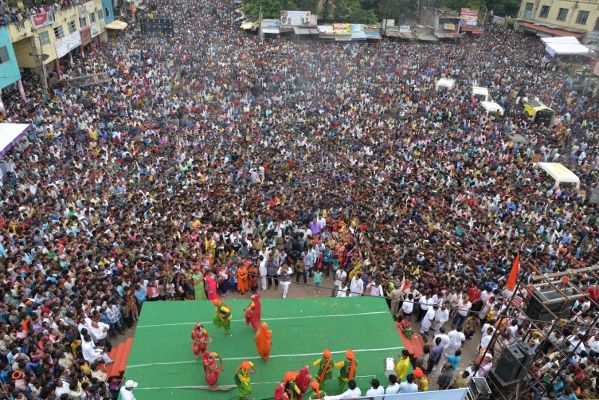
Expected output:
(162, 363)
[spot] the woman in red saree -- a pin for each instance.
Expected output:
(253, 312)
(200, 339)
(213, 366)
(280, 392)
(211, 287)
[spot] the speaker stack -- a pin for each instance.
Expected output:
(512, 367)
(556, 304)
(156, 25)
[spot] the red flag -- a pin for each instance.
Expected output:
(513, 276)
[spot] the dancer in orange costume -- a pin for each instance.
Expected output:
(200, 339)
(213, 366)
(263, 341)
(253, 312)
(291, 388)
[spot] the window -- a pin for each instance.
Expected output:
(100, 15)
(4, 55)
(528, 10)
(44, 38)
(106, 12)
(59, 32)
(582, 17)
(93, 17)
(544, 12)
(562, 14)
(596, 25)
(72, 26)
(82, 22)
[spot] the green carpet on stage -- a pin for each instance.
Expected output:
(162, 363)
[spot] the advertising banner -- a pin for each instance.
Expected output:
(342, 29)
(296, 18)
(42, 19)
(405, 28)
(95, 29)
(67, 43)
(469, 17)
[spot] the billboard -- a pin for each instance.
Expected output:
(342, 29)
(42, 19)
(296, 18)
(67, 43)
(469, 17)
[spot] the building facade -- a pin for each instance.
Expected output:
(45, 42)
(560, 17)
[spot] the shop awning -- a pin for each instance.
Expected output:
(10, 134)
(116, 25)
(548, 30)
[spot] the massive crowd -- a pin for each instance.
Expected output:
(213, 152)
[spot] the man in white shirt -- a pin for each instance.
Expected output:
(352, 392)
(456, 340)
(340, 277)
(441, 317)
(126, 391)
(376, 392)
(486, 338)
(407, 307)
(393, 387)
(443, 336)
(423, 302)
(409, 386)
(91, 353)
(427, 321)
(356, 287)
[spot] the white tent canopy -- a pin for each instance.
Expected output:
(445, 83)
(560, 173)
(10, 134)
(567, 45)
(492, 107)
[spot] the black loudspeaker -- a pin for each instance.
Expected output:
(548, 303)
(164, 25)
(514, 362)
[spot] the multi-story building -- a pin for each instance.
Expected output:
(578, 18)
(45, 42)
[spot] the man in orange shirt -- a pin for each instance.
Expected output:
(263, 341)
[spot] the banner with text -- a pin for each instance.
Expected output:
(67, 43)
(469, 17)
(42, 19)
(296, 18)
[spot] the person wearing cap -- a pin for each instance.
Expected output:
(325, 366)
(421, 380)
(243, 379)
(126, 391)
(200, 339)
(263, 340)
(213, 366)
(222, 316)
(348, 369)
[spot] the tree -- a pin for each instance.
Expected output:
(395, 9)
(270, 8)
